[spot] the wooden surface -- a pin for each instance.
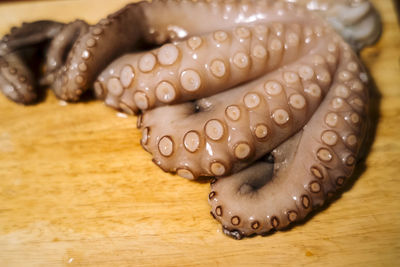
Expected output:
(76, 188)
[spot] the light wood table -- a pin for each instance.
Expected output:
(76, 188)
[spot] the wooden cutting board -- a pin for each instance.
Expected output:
(76, 188)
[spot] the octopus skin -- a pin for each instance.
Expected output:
(266, 96)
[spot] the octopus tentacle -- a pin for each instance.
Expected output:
(30, 34)
(93, 51)
(145, 77)
(309, 167)
(60, 46)
(17, 82)
(20, 60)
(175, 73)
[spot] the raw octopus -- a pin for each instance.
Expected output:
(264, 96)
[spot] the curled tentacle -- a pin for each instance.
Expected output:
(60, 47)
(20, 56)
(93, 51)
(308, 169)
(17, 82)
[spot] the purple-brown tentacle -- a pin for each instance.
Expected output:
(20, 59)
(17, 82)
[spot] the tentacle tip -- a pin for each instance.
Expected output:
(235, 234)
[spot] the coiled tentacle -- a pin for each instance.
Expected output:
(20, 57)
(308, 169)
(93, 51)
(59, 48)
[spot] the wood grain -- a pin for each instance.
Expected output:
(76, 188)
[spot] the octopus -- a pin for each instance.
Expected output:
(268, 98)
